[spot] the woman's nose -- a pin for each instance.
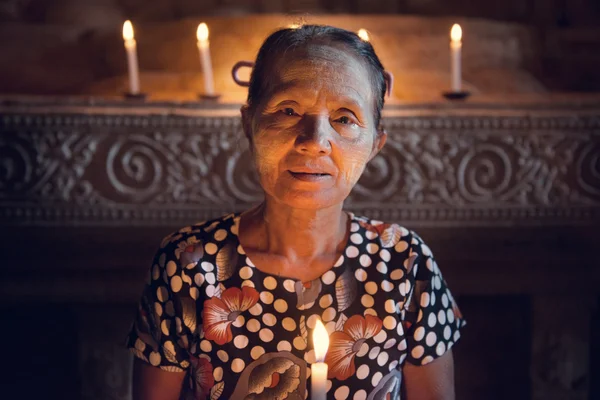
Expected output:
(315, 137)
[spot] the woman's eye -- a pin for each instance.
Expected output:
(345, 120)
(289, 111)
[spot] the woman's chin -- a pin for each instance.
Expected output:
(310, 199)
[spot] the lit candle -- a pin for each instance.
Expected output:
(318, 370)
(132, 61)
(455, 50)
(203, 48)
(363, 34)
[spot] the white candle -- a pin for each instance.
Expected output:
(132, 61)
(318, 370)
(363, 34)
(203, 48)
(455, 56)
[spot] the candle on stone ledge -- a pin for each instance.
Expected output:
(363, 34)
(455, 58)
(204, 49)
(132, 60)
(318, 370)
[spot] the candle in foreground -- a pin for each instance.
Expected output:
(363, 34)
(318, 370)
(455, 55)
(132, 61)
(203, 48)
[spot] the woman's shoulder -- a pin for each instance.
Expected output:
(386, 234)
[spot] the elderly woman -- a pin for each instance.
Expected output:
(231, 303)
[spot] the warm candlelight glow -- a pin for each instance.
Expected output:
(456, 33)
(202, 32)
(321, 341)
(363, 34)
(128, 30)
(294, 26)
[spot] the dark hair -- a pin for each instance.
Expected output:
(291, 38)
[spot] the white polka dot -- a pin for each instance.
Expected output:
(330, 327)
(155, 272)
(354, 227)
(218, 373)
(270, 283)
(342, 393)
(289, 324)
(420, 315)
(430, 339)
(389, 344)
(269, 319)
(393, 365)
(418, 352)
(402, 289)
(407, 287)
(240, 341)
(339, 262)
(440, 348)
(442, 317)
(380, 337)
(360, 395)
(365, 260)
(154, 358)
(299, 343)
(312, 321)
(205, 346)
(456, 335)
(367, 300)
(445, 300)
(158, 309)
(266, 297)
(402, 345)
(382, 358)
(433, 298)
(351, 252)
(210, 278)
(401, 246)
(280, 306)
(447, 332)
(390, 306)
(356, 238)
(246, 272)
(284, 345)
(426, 360)
(438, 282)
(374, 352)
(210, 248)
(238, 365)
(382, 267)
(370, 311)
(450, 314)
(327, 389)
(266, 335)
(397, 274)
(425, 299)
(326, 301)
(309, 357)
(425, 249)
(376, 378)
(385, 255)
(419, 333)
(206, 266)
(256, 309)
(360, 275)
(372, 248)
(256, 352)
(176, 284)
(289, 285)
(239, 321)
(162, 294)
(198, 279)
(249, 262)
(364, 349)
(247, 283)
(194, 293)
(328, 277)
(431, 321)
(387, 286)
(362, 372)
(389, 322)
(329, 314)
(371, 287)
(223, 356)
(253, 325)
(171, 268)
(220, 235)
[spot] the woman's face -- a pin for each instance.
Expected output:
(314, 130)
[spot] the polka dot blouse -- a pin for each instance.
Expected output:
(241, 333)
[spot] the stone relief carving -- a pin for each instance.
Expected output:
(103, 168)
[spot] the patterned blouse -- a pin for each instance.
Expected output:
(241, 333)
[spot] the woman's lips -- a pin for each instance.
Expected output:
(310, 177)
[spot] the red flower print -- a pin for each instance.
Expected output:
(220, 313)
(343, 345)
(202, 372)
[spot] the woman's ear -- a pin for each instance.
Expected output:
(388, 77)
(379, 142)
(247, 123)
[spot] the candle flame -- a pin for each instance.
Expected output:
(202, 32)
(320, 341)
(128, 30)
(363, 34)
(294, 26)
(456, 33)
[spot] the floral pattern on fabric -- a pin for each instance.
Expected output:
(241, 333)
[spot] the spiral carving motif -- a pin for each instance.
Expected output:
(241, 177)
(381, 177)
(484, 173)
(16, 167)
(134, 167)
(588, 168)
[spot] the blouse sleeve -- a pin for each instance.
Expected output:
(431, 317)
(165, 323)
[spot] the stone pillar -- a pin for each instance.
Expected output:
(560, 359)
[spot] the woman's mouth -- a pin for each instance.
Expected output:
(309, 176)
